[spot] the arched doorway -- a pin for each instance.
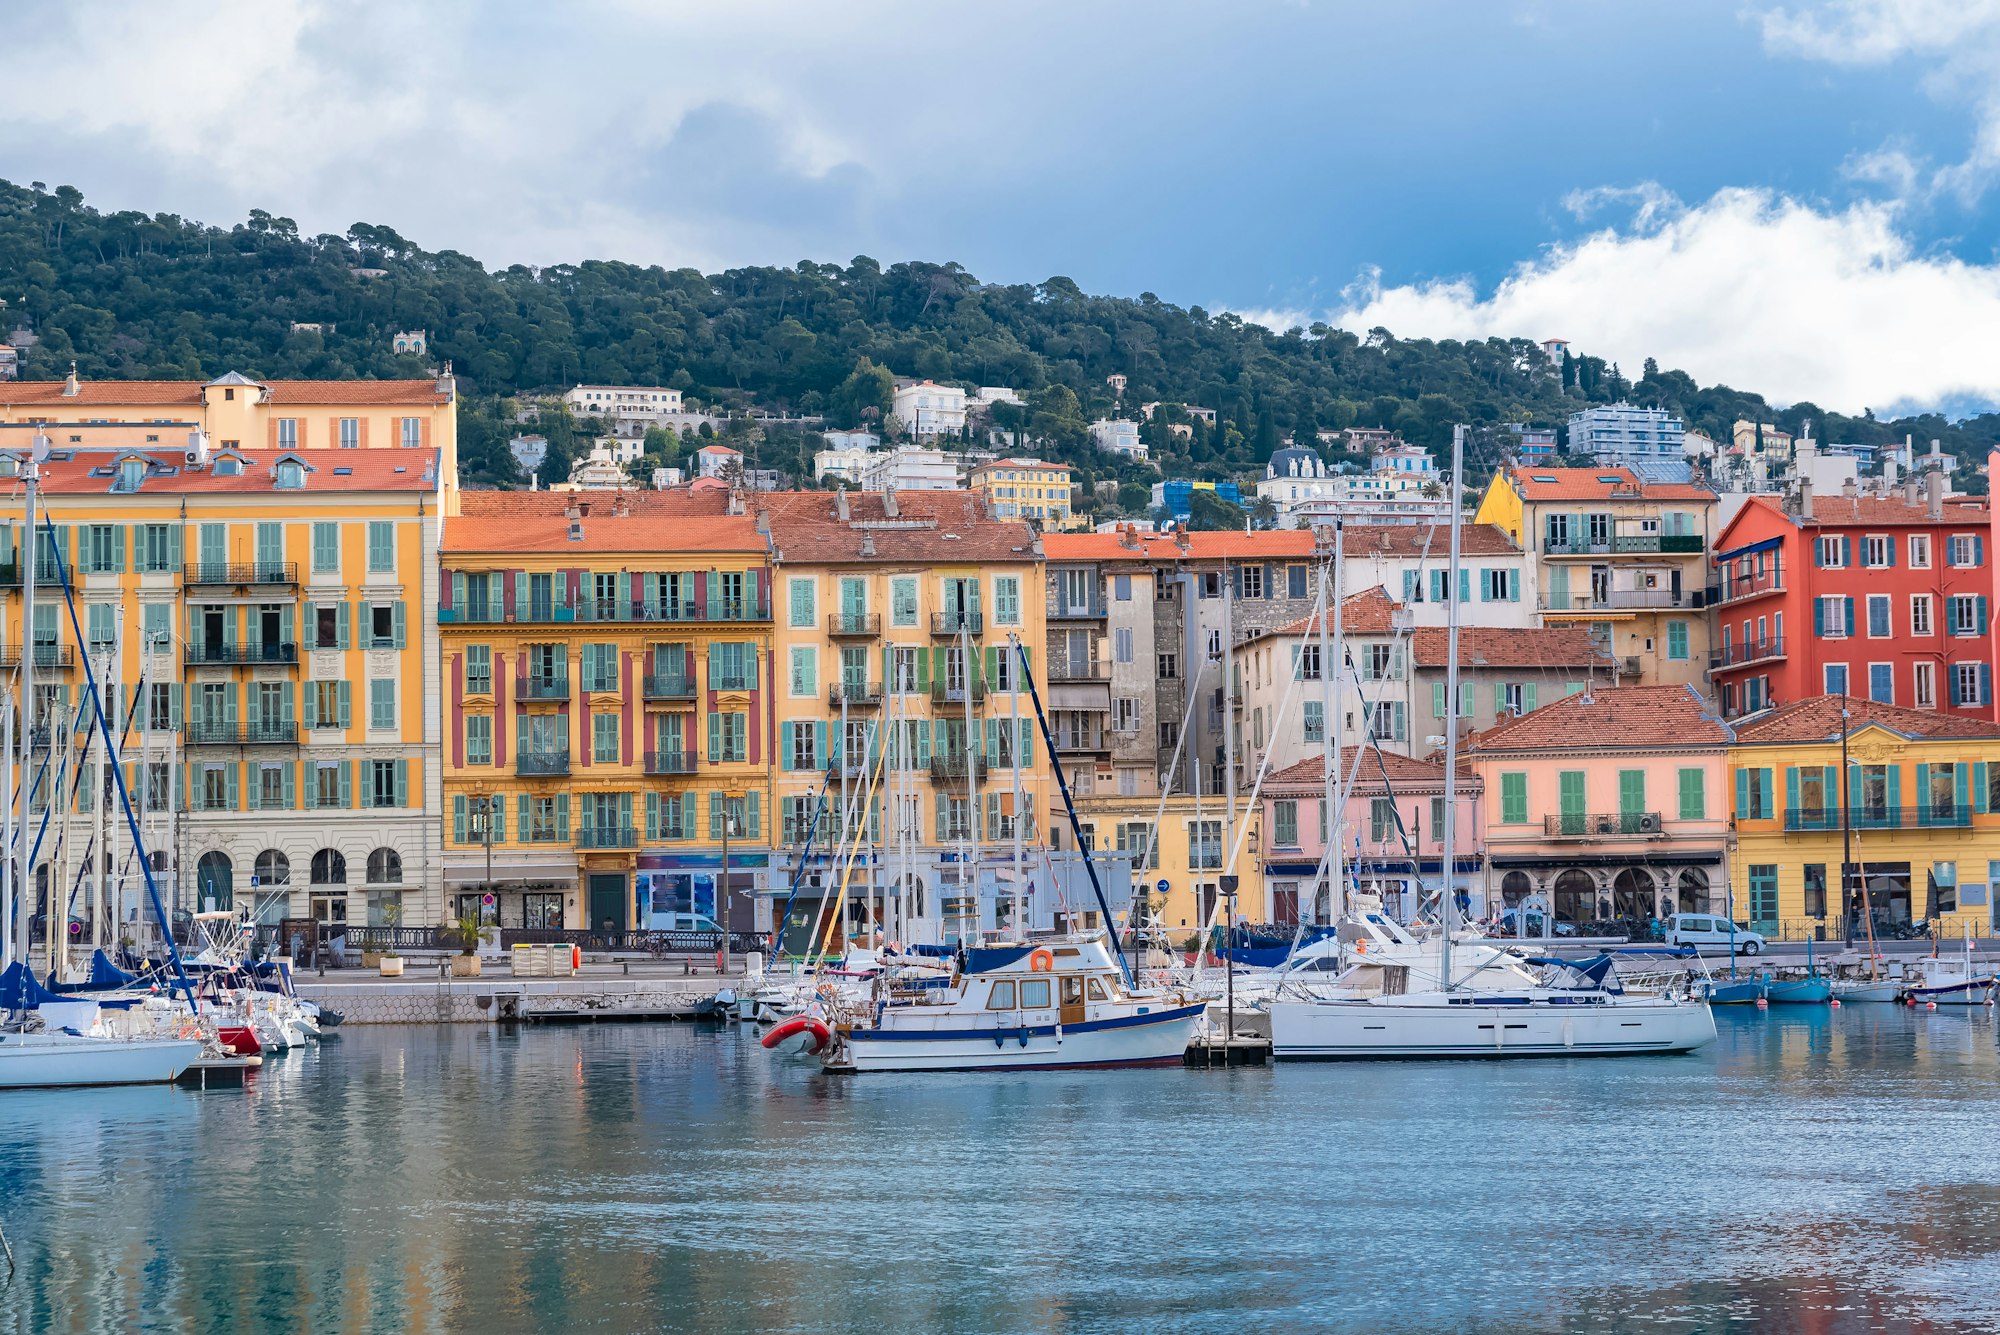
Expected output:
(1694, 891)
(1575, 897)
(1632, 894)
(213, 882)
(1514, 887)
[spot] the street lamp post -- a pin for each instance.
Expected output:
(722, 894)
(484, 808)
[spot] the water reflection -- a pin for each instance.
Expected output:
(1818, 1170)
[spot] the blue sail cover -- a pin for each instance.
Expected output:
(103, 973)
(19, 991)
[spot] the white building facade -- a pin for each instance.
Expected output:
(930, 409)
(631, 406)
(1118, 436)
(1649, 441)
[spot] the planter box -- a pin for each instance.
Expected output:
(370, 958)
(391, 966)
(465, 966)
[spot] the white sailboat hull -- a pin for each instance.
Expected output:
(49, 1061)
(1031, 1043)
(1847, 993)
(1346, 1030)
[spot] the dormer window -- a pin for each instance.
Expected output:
(131, 472)
(291, 475)
(228, 465)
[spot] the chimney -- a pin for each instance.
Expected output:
(1849, 489)
(735, 505)
(1805, 496)
(1910, 489)
(1934, 490)
(840, 505)
(764, 523)
(447, 383)
(71, 389)
(889, 502)
(1889, 468)
(868, 544)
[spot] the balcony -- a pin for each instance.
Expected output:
(545, 688)
(732, 681)
(1738, 655)
(607, 836)
(1627, 544)
(10, 575)
(237, 574)
(670, 762)
(858, 694)
(1090, 611)
(46, 656)
(668, 688)
(1604, 825)
(257, 732)
(853, 625)
(1084, 741)
(1095, 669)
(282, 653)
(541, 764)
(957, 693)
(1621, 600)
(1735, 587)
(961, 768)
(944, 625)
(1930, 816)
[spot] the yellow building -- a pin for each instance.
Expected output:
(610, 705)
(897, 614)
(262, 615)
(236, 412)
(1925, 823)
(1190, 853)
(1623, 556)
(1025, 489)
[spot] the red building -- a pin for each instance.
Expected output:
(1882, 594)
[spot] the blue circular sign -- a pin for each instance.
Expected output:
(1161, 885)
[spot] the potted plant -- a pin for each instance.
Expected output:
(465, 964)
(389, 962)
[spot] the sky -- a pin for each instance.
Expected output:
(1789, 196)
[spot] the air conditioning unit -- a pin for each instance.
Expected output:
(1649, 822)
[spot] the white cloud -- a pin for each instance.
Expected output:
(1751, 288)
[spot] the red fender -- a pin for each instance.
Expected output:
(813, 1030)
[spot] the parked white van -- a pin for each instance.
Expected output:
(1701, 929)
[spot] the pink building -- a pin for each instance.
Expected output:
(1391, 832)
(1608, 804)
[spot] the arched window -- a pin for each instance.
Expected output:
(385, 867)
(1632, 894)
(1575, 897)
(290, 475)
(1694, 891)
(1514, 887)
(212, 878)
(273, 868)
(329, 867)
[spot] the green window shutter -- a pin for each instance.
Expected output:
(1528, 698)
(714, 738)
(923, 743)
(289, 785)
(1742, 793)
(345, 699)
(715, 805)
(340, 625)
(753, 804)
(402, 783)
(1923, 794)
(943, 817)
(562, 817)
(1791, 788)
(1437, 699)
(312, 705)
(923, 656)
(458, 819)
(1465, 709)
(1694, 799)
(229, 785)
(1027, 744)
(521, 817)
(1514, 799)
(399, 624)
(624, 811)
(785, 745)
(652, 815)
(252, 795)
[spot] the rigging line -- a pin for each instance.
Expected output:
(1174, 764)
(805, 856)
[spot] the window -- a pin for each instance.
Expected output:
(1204, 844)
(1694, 794)
(1924, 689)
(1836, 678)
(1968, 549)
(1677, 639)
(1964, 615)
(728, 738)
(103, 549)
(1251, 581)
(478, 739)
(384, 783)
(1498, 586)
(1007, 600)
(1878, 550)
(1830, 553)
(1514, 798)
(131, 474)
(1285, 823)
(384, 626)
(479, 669)
(156, 548)
(1121, 588)
(1125, 714)
(1815, 889)
(382, 702)
(604, 738)
(1763, 892)
(1920, 614)
(1878, 616)
(802, 591)
(1882, 683)
(1169, 667)
(804, 745)
(1920, 551)
(273, 787)
(350, 433)
(412, 432)
(288, 433)
(1968, 684)
(329, 867)
(327, 790)
(385, 865)
(1314, 717)
(903, 602)
(381, 546)
(1001, 998)
(805, 671)
(599, 663)
(290, 475)
(1121, 644)
(1753, 794)
(325, 547)
(1381, 819)
(1833, 617)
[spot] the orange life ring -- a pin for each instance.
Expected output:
(1361, 946)
(1041, 961)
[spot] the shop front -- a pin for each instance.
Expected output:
(523, 890)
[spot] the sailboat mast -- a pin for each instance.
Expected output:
(30, 549)
(967, 677)
(1449, 830)
(1014, 750)
(1332, 662)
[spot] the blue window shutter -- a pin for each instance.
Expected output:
(1979, 549)
(1979, 626)
(1848, 611)
(1923, 794)
(754, 808)
(1962, 792)
(1409, 583)
(1513, 585)
(1791, 788)
(1528, 698)
(1742, 792)
(1892, 551)
(784, 746)
(1485, 586)
(1027, 749)
(1979, 790)
(819, 743)
(1819, 616)
(1985, 683)
(402, 783)
(1846, 551)
(1464, 585)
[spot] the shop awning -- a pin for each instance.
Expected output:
(514, 867)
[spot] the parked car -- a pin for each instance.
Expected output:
(1511, 925)
(689, 922)
(1702, 929)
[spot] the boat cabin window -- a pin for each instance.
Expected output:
(1002, 998)
(1034, 994)
(1097, 992)
(1072, 990)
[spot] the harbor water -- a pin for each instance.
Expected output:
(1813, 1170)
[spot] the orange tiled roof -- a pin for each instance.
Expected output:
(941, 527)
(326, 470)
(1588, 484)
(602, 532)
(1641, 718)
(1364, 613)
(1883, 511)
(1273, 544)
(1310, 774)
(187, 393)
(1434, 540)
(678, 501)
(1817, 719)
(1507, 647)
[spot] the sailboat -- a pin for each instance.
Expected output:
(1566, 1010)
(1812, 989)
(1953, 981)
(1875, 987)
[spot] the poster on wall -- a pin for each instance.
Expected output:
(663, 896)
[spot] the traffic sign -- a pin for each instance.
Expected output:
(1161, 885)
